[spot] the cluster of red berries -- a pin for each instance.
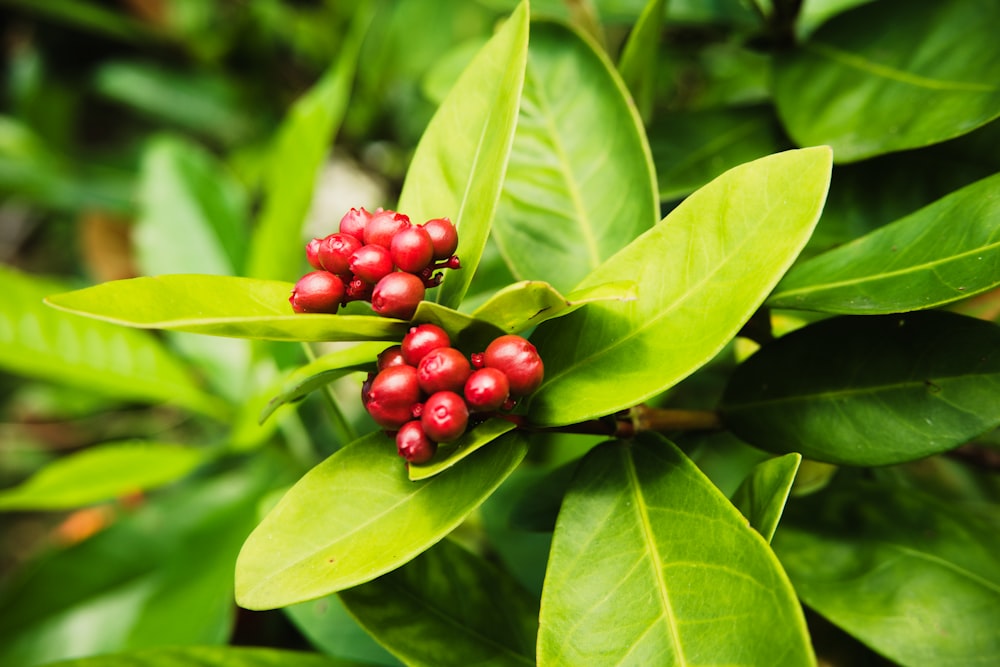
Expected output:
(427, 392)
(379, 257)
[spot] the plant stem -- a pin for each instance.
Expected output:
(626, 424)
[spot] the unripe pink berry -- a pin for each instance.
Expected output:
(398, 295)
(519, 361)
(317, 292)
(371, 263)
(383, 226)
(412, 249)
(393, 393)
(443, 369)
(413, 444)
(354, 223)
(486, 389)
(421, 339)
(445, 416)
(444, 237)
(335, 252)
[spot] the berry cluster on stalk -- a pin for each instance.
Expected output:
(427, 392)
(378, 257)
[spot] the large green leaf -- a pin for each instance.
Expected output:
(638, 62)
(892, 75)
(160, 575)
(459, 165)
(942, 253)
(329, 627)
(909, 575)
(451, 453)
(448, 607)
(581, 184)
(101, 473)
(356, 516)
(762, 495)
(870, 390)
(220, 306)
(529, 303)
(301, 147)
(39, 342)
(702, 273)
(211, 656)
(651, 565)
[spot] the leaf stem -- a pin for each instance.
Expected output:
(626, 424)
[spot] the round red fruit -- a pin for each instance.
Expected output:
(445, 416)
(312, 253)
(421, 339)
(412, 249)
(519, 361)
(486, 389)
(392, 396)
(371, 263)
(391, 356)
(413, 444)
(383, 226)
(444, 237)
(398, 295)
(317, 292)
(354, 223)
(335, 252)
(443, 369)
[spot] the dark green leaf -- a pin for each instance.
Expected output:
(102, 472)
(906, 574)
(870, 390)
(529, 303)
(761, 497)
(466, 332)
(357, 516)
(39, 342)
(917, 262)
(332, 630)
(702, 272)
(459, 165)
(651, 565)
(451, 453)
(220, 306)
(211, 656)
(581, 183)
(893, 75)
(448, 607)
(638, 60)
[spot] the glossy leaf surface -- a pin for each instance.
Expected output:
(40, 342)
(762, 496)
(211, 656)
(651, 565)
(703, 271)
(918, 72)
(944, 252)
(101, 472)
(356, 516)
(580, 184)
(448, 607)
(451, 453)
(915, 578)
(529, 303)
(220, 306)
(458, 168)
(870, 390)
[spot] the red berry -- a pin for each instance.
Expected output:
(358, 290)
(444, 237)
(371, 263)
(391, 356)
(317, 292)
(486, 389)
(312, 253)
(393, 393)
(519, 361)
(413, 444)
(412, 249)
(445, 416)
(443, 369)
(383, 226)
(354, 223)
(421, 339)
(398, 295)
(335, 252)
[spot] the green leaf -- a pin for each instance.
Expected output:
(329, 627)
(528, 303)
(762, 496)
(192, 212)
(451, 453)
(357, 516)
(301, 147)
(909, 575)
(916, 262)
(459, 165)
(581, 183)
(448, 607)
(870, 390)
(210, 656)
(323, 370)
(703, 272)
(638, 63)
(102, 472)
(39, 342)
(651, 565)
(889, 76)
(219, 306)
(466, 332)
